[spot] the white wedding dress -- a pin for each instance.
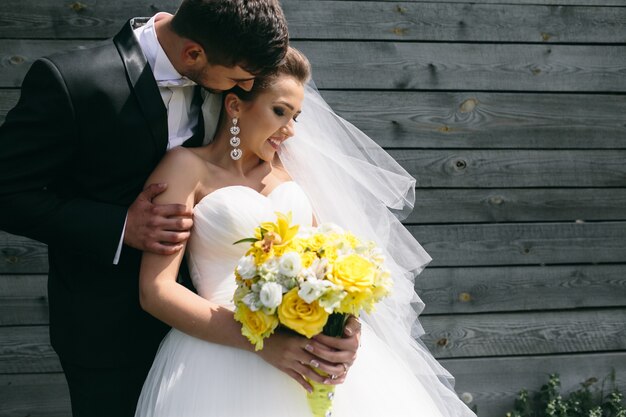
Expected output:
(191, 377)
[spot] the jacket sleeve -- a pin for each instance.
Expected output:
(38, 144)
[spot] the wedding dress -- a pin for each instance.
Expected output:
(191, 377)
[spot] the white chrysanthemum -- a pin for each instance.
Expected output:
(271, 295)
(331, 299)
(326, 228)
(305, 232)
(252, 301)
(290, 264)
(319, 268)
(269, 269)
(312, 289)
(246, 267)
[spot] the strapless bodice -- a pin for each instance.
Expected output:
(227, 215)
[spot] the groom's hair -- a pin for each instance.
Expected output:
(249, 33)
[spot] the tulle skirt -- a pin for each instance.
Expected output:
(191, 377)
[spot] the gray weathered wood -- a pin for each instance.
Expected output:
(527, 333)
(523, 243)
(471, 66)
(362, 20)
(398, 65)
(449, 245)
(521, 288)
(27, 348)
(23, 300)
(34, 395)
(492, 383)
(514, 168)
(22, 255)
(545, 2)
(443, 290)
(484, 120)
(495, 382)
(472, 120)
(517, 205)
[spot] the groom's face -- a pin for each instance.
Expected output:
(218, 78)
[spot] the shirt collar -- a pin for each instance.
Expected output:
(162, 68)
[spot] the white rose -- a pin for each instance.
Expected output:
(290, 264)
(271, 295)
(246, 267)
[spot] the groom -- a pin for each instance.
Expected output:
(75, 152)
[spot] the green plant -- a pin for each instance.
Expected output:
(587, 401)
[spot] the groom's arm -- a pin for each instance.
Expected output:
(37, 146)
(38, 142)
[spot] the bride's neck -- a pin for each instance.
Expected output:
(219, 154)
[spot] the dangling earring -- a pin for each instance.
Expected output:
(235, 141)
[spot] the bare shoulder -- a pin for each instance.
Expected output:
(182, 170)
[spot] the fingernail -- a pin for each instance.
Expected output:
(314, 363)
(349, 331)
(308, 348)
(327, 382)
(309, 389)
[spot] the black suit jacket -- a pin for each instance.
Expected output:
(89, 128)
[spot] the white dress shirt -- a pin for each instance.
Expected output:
(177, 93)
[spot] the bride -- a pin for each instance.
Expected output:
(329, 172)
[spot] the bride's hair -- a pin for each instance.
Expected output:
(295, 64)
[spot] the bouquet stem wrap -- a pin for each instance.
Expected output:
(321, 398)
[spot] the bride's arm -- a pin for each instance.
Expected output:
(172, 303)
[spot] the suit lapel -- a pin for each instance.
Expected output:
(143, 84)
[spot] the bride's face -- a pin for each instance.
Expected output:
(268, 120)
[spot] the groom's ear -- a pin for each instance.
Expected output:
(193, 54)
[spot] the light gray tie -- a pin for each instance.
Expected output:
(176, 102)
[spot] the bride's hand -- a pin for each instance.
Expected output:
(340, 353)
(297, 356)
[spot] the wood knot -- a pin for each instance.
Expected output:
(526, 251)
(535, 71)
(400, 10)
(443, 342)
(17, 60)
(444, 129)
(78, 6)
(496, 200)
(468, 105)
(400, 31)
(460, 164)
(12, 260)
(465, 297)
(545, 36)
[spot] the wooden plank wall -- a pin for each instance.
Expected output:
(510, 114)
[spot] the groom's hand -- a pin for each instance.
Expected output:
(157, 228)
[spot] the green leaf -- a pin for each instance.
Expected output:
(248, 239)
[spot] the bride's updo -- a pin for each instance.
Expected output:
(295, 65)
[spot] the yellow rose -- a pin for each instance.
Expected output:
(256, 325)
(306, 319)
(353, 272)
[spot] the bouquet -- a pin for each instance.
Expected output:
(308, 280)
